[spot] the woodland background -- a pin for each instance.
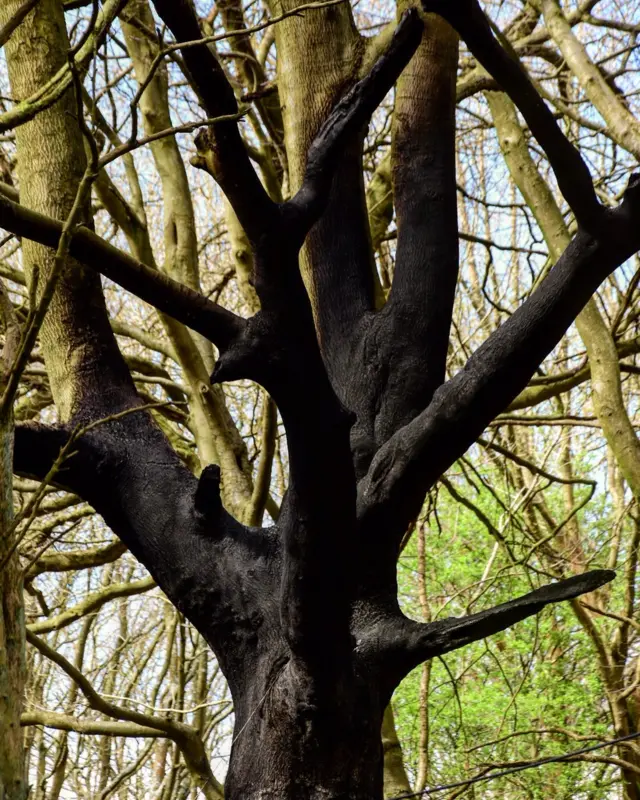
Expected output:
(550, 485)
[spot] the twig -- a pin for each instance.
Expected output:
(482, 778)
(132, 144)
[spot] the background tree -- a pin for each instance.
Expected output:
(303, 615)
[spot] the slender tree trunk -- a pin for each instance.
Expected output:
(77, 342)
(75, 330)
(396, 781)
(13, 785)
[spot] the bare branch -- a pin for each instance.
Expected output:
(183, 735)
(91, 603)
(415, 642)
(59, 83)
(76, 559)
(89, 727)
(461, 408)
(226, 156)
(165, 294)
(573, 176)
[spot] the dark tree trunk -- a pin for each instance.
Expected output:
(293, 740)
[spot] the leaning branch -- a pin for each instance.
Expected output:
(54, 88)
(221, 145)
(417, 642)
(89, 727)
(15, 21)
(413, 459)
(66, 561)
(91, 604)
(572, 174)
(173, 298)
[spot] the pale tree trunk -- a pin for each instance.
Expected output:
(396, 780)
(51, 164)
(13, 782)
(216, 436)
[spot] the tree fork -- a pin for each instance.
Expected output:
(303, 616)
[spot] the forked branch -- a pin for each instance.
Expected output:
(413, 459)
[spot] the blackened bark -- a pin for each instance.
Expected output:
(304, 616)
(306, 727)
(414, 325)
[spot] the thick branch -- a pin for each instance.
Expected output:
(227, 156)
(414, 325)
(419, 453)
(195, 551)
(173, 298)
(555, 385)
(279, 349)
(573, 176)
(411, 642)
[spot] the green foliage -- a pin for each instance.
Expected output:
(530, 692)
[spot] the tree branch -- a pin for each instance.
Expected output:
(409, 643)
(279, 349)
(183, 735)
(574, 178)
(413, 327)
(45, 96)
(91, 603)
(65, 561)
(173, 298)
(412, 460)
(621, 123)
(222, 149)
(126, 470)
(89, 727)
(16, 19)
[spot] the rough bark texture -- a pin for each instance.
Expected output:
(303, 616)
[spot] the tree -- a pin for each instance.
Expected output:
(302, 615)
